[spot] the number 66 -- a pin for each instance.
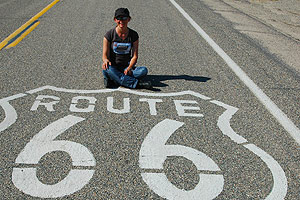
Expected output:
(153, 154)
(25, 179)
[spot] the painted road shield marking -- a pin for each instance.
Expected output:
(139, 142)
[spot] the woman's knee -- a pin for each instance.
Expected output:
(141, 72)
(145, 71)
(110, 71)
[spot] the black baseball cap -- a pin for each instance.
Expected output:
(124, 12)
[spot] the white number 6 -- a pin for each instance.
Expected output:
(25, 179)
(153, 154)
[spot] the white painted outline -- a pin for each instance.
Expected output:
(280, 183)
(10, 113)
(10, 116)
(224, 123)
(281, 117)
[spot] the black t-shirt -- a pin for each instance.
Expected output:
(121, 50)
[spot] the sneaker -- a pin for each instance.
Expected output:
(144, 84)
(108, 83)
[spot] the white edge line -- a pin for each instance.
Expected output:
(281, 117)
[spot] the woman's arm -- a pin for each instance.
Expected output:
(105, 54)
(134, 58)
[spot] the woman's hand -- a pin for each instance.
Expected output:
(128, 71)
(105, 64)
(105, 54)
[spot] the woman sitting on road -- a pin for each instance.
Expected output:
(120, 54)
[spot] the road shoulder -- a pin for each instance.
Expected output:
(275, 25)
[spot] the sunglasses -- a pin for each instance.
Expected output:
(121, 18)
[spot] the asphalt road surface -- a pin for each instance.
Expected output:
(222, 121)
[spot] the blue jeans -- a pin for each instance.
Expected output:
(120, 78)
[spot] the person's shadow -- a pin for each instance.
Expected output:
(157, 80)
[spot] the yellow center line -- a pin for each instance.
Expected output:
(24, 26)
(19, 39)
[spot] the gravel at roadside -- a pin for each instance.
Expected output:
(274, 24)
